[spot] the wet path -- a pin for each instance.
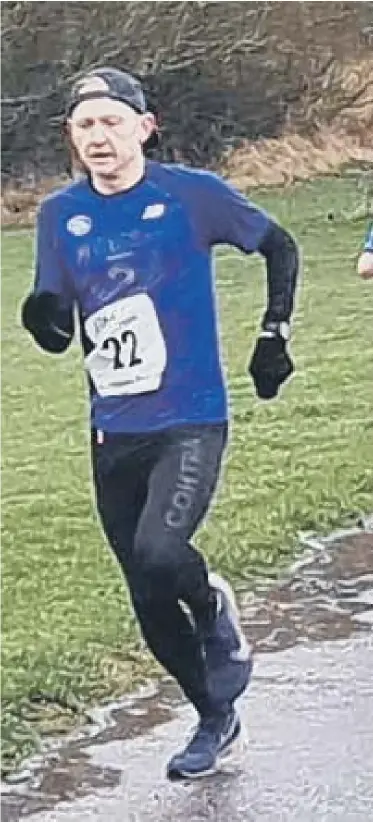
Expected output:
(307, 750)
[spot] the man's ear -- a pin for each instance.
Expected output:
(76, 168)
(148, 129)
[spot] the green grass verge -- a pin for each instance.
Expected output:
(302, 462)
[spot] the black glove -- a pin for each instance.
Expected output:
(51, 326)
(270, 365)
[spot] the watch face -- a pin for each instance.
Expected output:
(281, 329)
(284, 330)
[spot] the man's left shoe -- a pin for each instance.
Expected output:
(229, 660)
(213, 738)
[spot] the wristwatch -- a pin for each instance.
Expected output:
(273, 329)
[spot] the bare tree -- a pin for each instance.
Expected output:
(216, 72)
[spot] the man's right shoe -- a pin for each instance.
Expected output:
(214, 736)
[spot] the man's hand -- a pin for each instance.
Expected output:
(51, 326)
(270, 364)
(365, 265)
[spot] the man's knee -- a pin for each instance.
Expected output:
(158, 563)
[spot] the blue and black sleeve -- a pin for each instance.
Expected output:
(231, 219)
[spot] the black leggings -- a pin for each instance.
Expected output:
(152, 493)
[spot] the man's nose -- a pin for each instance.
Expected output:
(98, 135)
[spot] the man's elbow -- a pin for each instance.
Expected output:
(279, 241)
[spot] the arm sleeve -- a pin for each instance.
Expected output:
(282, 260)
(50, 273)
(47, 312)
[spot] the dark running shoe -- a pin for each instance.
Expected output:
(213, 737)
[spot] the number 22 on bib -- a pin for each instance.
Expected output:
(129, 355)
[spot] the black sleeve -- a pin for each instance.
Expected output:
(47, 312)
(282, 259)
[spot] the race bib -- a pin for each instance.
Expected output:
(130, 354)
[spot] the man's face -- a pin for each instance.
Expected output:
(108, 134)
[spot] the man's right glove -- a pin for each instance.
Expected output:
(51, 326)
(270, 364)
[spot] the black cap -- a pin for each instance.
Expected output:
(117, 85)
(108, 82)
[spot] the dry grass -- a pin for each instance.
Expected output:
(19, 200)
(293, 157)
(287, 159)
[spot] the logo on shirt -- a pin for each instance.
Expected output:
(79, 225)
(127, 275)
(83, 254)
(154, 211)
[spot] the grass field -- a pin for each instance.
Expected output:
(302, 462)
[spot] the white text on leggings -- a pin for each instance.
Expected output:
(186, 484)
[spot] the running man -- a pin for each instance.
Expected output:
(130, 246)
(365, 261)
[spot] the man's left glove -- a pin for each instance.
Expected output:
(270, 364)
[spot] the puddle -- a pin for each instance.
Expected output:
(326, 595)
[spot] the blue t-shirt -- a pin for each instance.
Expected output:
(369, 240)
(139, 266)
